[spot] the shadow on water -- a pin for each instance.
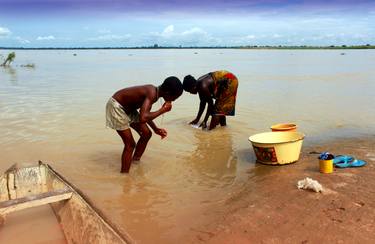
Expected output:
(247, 155)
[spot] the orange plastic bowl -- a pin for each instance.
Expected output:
(284, 127)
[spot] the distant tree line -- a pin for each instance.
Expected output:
(156, 46)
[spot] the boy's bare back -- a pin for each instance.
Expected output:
(133, 98)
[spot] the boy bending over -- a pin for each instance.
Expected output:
(122, 113)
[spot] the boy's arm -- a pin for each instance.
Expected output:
(209, 111)
(205, 95)
(146, 115)
(159, 131)
(152, 125)
(202, 106)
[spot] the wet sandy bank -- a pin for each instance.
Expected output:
(272, 210)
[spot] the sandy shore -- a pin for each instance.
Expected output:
(272, 210)
(269, 208)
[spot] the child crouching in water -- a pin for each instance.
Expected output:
(122, 113)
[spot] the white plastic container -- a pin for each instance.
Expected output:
(277, 147)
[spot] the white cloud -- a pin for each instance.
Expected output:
(244, 40)
(168, 31)
(4, 32)
(249, 37)
(110, 38)
(21, 40)
(194, 31)
(191, 37)
(45, 38)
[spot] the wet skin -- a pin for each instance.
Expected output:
(142, 98)
(204, 89)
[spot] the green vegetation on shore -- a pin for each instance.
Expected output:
(156, 46)
(10, 58)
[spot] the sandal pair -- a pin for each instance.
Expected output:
(345, 161)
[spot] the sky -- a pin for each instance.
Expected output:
(135, 23)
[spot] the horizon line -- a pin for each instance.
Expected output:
(364, 46)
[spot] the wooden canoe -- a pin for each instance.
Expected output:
(81, 221)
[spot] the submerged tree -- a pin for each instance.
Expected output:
(9, 59)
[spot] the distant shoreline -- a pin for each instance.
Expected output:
(332, 47)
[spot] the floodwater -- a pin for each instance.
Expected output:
(54, 112)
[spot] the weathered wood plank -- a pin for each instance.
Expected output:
(83, 222)
(34, 201)
(11, 186)
(4, 188)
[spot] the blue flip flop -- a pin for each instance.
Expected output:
(339, 159)
(353, 163)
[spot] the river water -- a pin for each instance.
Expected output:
(55, 112)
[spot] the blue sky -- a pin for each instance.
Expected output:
(113, 23)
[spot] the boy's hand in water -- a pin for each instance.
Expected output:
(167, 106)
(161, 132)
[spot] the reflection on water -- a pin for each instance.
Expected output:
(213, 159)
(55, 113)
(11, 72)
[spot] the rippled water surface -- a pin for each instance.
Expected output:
(55, 112)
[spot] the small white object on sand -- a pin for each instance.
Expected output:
(309, 184)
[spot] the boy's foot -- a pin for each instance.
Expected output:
(136, 160)
(223, 121)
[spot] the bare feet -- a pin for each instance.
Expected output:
(136, 160)
(223, 121)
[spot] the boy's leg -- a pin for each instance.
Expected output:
(145, 135)
(129, 145)
(214, 122)
(223, 120)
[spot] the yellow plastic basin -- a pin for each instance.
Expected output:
(277, 147)
(284, 127)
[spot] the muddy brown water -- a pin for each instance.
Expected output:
(55, 113)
